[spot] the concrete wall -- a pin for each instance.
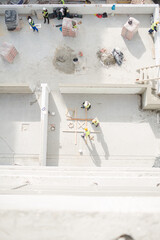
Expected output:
(103, 89)
(44, 123)
(86, 9)
(81, 218)
(15, 88)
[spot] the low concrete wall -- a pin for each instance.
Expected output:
(149, 101)
(15, 88)
(44, 123)
(85, 9)
(103, 89)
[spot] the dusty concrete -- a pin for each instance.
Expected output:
(125, 131)
(34, 62)
(60, 217)
(19, 126)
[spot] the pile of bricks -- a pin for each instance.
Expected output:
(8, 52)
(67, 27)
(129, 30)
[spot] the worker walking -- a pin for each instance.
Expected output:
(95, 122)
(86, 105)
(86, 133)
(153, 27)
(45, 15)
(32, 24)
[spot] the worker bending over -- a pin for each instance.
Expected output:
(95, 122)
(86, 105)
(153, 27)
(45, 15)
(86, 133)
(32, 24)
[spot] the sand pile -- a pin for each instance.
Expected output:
(63, 60)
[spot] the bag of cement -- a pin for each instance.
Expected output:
(118, 56)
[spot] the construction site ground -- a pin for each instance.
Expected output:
(34, 64)
(125, 132)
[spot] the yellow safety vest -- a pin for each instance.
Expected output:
(87, 133)
(153, 26)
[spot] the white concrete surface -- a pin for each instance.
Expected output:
(19, 127)
(126, 132)
(35, 66)
(44, 123)
(97, 218)
(109, 181)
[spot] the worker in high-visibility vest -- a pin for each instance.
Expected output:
(32, 24)
(95, 122)
(62, 2)
(45, 15)
(86, 105)
(86, 133)
(153, 27)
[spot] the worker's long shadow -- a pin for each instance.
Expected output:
(94, 154)
(100, 138)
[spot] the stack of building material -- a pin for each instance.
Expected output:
(67, 27)
(138, 2)
(130, 28)
(8, 52)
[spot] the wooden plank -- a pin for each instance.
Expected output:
(75, 127)
(148, 67)
(79, 119)
(72, 131)
(85, 117)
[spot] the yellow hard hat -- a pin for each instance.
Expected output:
(157, 22)
(86, 129)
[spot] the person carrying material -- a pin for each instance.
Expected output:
(153, 27)
(86, 133)
(32, 24)
(45, 15)
(95, 122)
(86, 105)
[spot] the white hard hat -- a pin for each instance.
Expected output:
(30, 20)
(86, 103)
(44, 8)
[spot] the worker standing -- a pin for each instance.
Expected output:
(32, 24)
(62, 2)
(95, 122)
(45, 15)
(153, 27)
(86, 105)
(86, 133)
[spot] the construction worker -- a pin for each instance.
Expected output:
(95, 122)
(62, 2)
(45, 15)
(32, 24)
(74, 25)
(86, 133)
(86, 105)
(153, 27)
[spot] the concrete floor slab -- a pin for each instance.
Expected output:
(126, 132)
(36, 51)
(19, 126)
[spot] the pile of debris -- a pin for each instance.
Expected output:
(110, 58)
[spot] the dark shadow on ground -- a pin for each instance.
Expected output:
(53, 136)
(94, 154)
(136, 48)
